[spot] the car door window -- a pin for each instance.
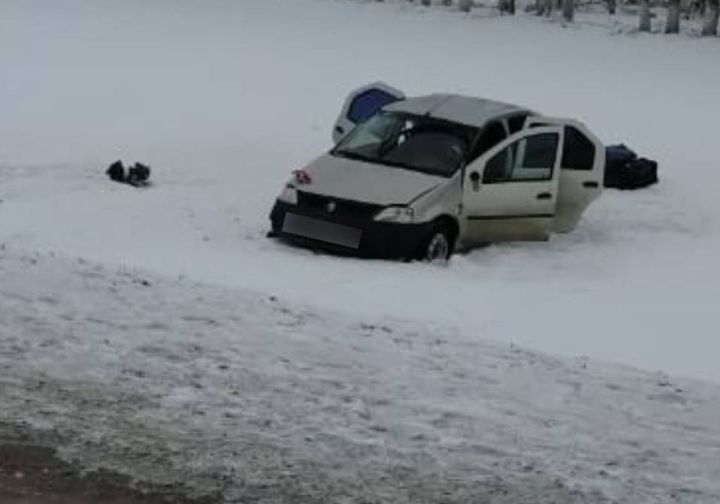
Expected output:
(366, 104)
(499, 167)
(526, 160)
(578, 150)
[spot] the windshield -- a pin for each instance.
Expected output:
(408, 141)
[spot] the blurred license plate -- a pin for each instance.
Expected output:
(322, 230)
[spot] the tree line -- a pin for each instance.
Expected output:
(708, 10)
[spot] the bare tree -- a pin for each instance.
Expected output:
(644, 16)
(672, 24)
(548, 8)
(507, 6)
(710, 25)
(698, 8)
(568, 10)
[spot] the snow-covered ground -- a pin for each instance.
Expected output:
(224, 98)
(394, 372)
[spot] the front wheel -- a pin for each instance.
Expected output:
(438, 246)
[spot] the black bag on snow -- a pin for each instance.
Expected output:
(116, 172)
(137, 175)
(624, 170)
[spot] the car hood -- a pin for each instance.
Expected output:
(367, 182)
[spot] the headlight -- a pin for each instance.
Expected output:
(399, 214)
(288, 195)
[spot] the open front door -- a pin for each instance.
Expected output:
(363, 103)
(510, 192)
(582, 166)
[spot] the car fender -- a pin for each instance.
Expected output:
(442, 200)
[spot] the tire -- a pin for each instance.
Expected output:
(437, 246)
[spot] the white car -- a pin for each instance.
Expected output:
(419, 178)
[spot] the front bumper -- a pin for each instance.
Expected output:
(377, 239)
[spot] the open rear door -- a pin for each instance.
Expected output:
(510, 192)
(582, 166)
(363, 103)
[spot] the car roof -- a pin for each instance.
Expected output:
(462, 109)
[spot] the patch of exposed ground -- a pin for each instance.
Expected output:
(34, 475)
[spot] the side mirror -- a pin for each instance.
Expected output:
(475, 180)
(338, 134)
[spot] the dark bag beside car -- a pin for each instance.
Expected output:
(625, 170)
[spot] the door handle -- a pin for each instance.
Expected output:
(544, 195)
(591, 184)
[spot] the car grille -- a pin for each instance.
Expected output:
(342, 208)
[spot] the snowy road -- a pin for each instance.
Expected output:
(243, 394)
